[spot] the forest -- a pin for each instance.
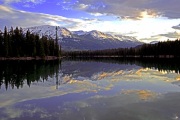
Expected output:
(15, 43)
(166, 49)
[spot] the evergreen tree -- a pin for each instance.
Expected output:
(10, 41)
(6, 35)
(33, 38)
(1, 44)
(41, 49)
(17, 42)
(56, 45)
(28, 48)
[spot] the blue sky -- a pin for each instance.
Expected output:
(147, 20)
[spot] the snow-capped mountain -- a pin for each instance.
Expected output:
(82, 40)
(94, 34)
(50, 31)
(101, 35)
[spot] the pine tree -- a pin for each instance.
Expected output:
(6, 42)
(10, 41)
(1, 44)
(22, 42)
(16, 42)
(27, 46)
(34, 51)
(37, 41)
(56, 45)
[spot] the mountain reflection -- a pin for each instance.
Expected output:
(15, 74)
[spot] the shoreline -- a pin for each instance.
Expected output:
(58, 58)
(128, 56)
(31, 58)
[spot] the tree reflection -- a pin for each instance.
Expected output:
(161, 64)
(14, 74)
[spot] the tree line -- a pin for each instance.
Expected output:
(16, 43)
(166, 49)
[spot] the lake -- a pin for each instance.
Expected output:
(90, 89)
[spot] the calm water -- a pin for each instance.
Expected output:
(101, 89)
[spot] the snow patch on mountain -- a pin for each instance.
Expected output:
(79, 33)
(101, 35)
(125, 38)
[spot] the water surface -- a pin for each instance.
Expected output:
(101, 89)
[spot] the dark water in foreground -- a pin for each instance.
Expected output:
(101, 89)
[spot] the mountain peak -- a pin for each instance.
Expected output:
(101, 35)
(50, 31)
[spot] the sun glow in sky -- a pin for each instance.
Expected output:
(147, 20)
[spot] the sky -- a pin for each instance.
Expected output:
(147, 20)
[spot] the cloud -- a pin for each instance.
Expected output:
(91, 20)
(134, 16)
(82, 6)
(171, 35)
(134, 9)
(10, 1)
(125, 9)
(10, 17)
(153, 38)
(66, 5)
(5, 9)
(23, 1)
(162, 37)
(168, 8)
(177, 27)
(98, 14)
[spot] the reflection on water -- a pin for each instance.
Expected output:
(90, 89)
(14, 74)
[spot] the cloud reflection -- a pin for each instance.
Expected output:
(142, 94)
(108, 80)
(130, 90)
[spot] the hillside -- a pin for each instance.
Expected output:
(82, 40)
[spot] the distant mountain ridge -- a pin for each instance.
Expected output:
(82, 40)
